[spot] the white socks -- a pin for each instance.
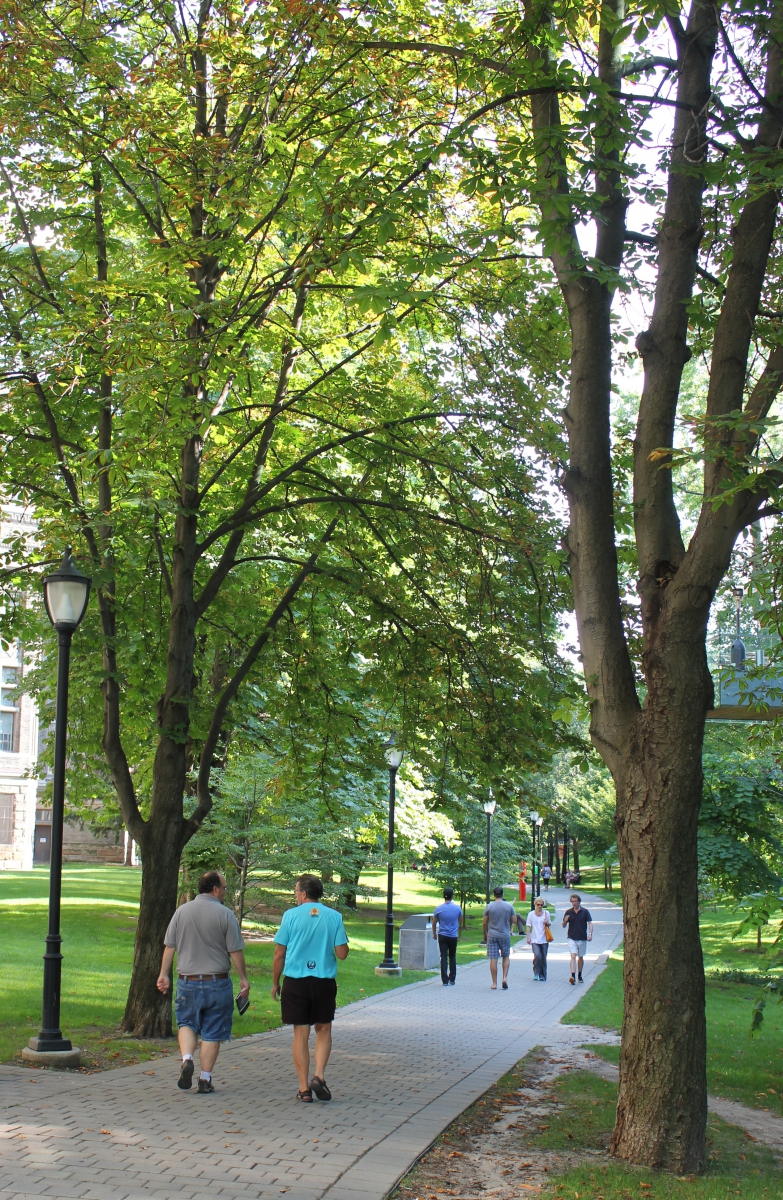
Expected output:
(204, 1074)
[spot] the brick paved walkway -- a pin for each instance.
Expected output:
(404, 1065)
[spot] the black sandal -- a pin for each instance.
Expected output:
(318, 1085)
(306, 1096)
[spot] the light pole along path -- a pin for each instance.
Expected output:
(405, 1064)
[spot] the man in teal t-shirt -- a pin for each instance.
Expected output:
(308, 943)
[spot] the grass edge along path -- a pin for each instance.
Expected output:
(544, 1131)
(738, 1067)
(99, 911)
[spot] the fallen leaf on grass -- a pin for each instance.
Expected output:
(456, 1154)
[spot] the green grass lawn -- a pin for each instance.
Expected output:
(99, 912)
(738, 1067)
(584, 1118)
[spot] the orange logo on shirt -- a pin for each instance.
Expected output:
(313, 912)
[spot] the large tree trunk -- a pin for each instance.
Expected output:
(654, 751)
(662, 1100)
(148, 1011)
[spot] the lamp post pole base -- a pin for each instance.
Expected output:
(53, 1058)
(390, 969)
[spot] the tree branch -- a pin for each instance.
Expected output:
(227, 558)
(646, 64)
(28, 237)
(232, 687)
(112, 737)
(588, 480)
(663, 347)
(727, 443)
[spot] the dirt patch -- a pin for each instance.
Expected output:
(107, 1049)
(483, 1153)
(759, 1124)
(546, 1118)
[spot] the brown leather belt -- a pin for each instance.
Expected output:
(195, 978)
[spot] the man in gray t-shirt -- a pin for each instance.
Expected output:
(206, 938)
(499, 917)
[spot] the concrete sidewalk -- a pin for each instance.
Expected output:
(404, 1065)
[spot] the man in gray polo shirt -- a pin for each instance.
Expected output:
(499, 917)
(206, 938)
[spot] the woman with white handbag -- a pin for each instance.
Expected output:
(539, 935)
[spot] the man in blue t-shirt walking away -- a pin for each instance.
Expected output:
(308, 943)
(445, 928)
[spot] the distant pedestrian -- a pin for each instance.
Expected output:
(445, 929)
(538, 921)
(499, 916)
(206, 938)
(580, 932)
(546, 875)
(308, 943)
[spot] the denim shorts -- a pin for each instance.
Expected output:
(207, 1007)
(498, 947)
(577, 948)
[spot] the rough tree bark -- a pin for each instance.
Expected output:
(653, 750)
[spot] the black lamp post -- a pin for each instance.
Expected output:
(489, 808)
(533, 828)
(539, 823)
(389, 966)
(66, 593)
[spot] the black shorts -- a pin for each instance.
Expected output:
(308, 1001)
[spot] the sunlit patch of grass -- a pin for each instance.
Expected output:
(738, 1067)
(99, 909)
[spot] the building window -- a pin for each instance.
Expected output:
(9, 711)
(6, 818)
(7, 731)
(42, 815)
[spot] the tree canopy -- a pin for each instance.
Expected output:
(235, 255)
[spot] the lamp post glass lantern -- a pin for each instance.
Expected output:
(66, 593)
(489, 808)
(393, 755)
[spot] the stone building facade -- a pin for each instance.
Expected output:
(25, 822)
(19, 789)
